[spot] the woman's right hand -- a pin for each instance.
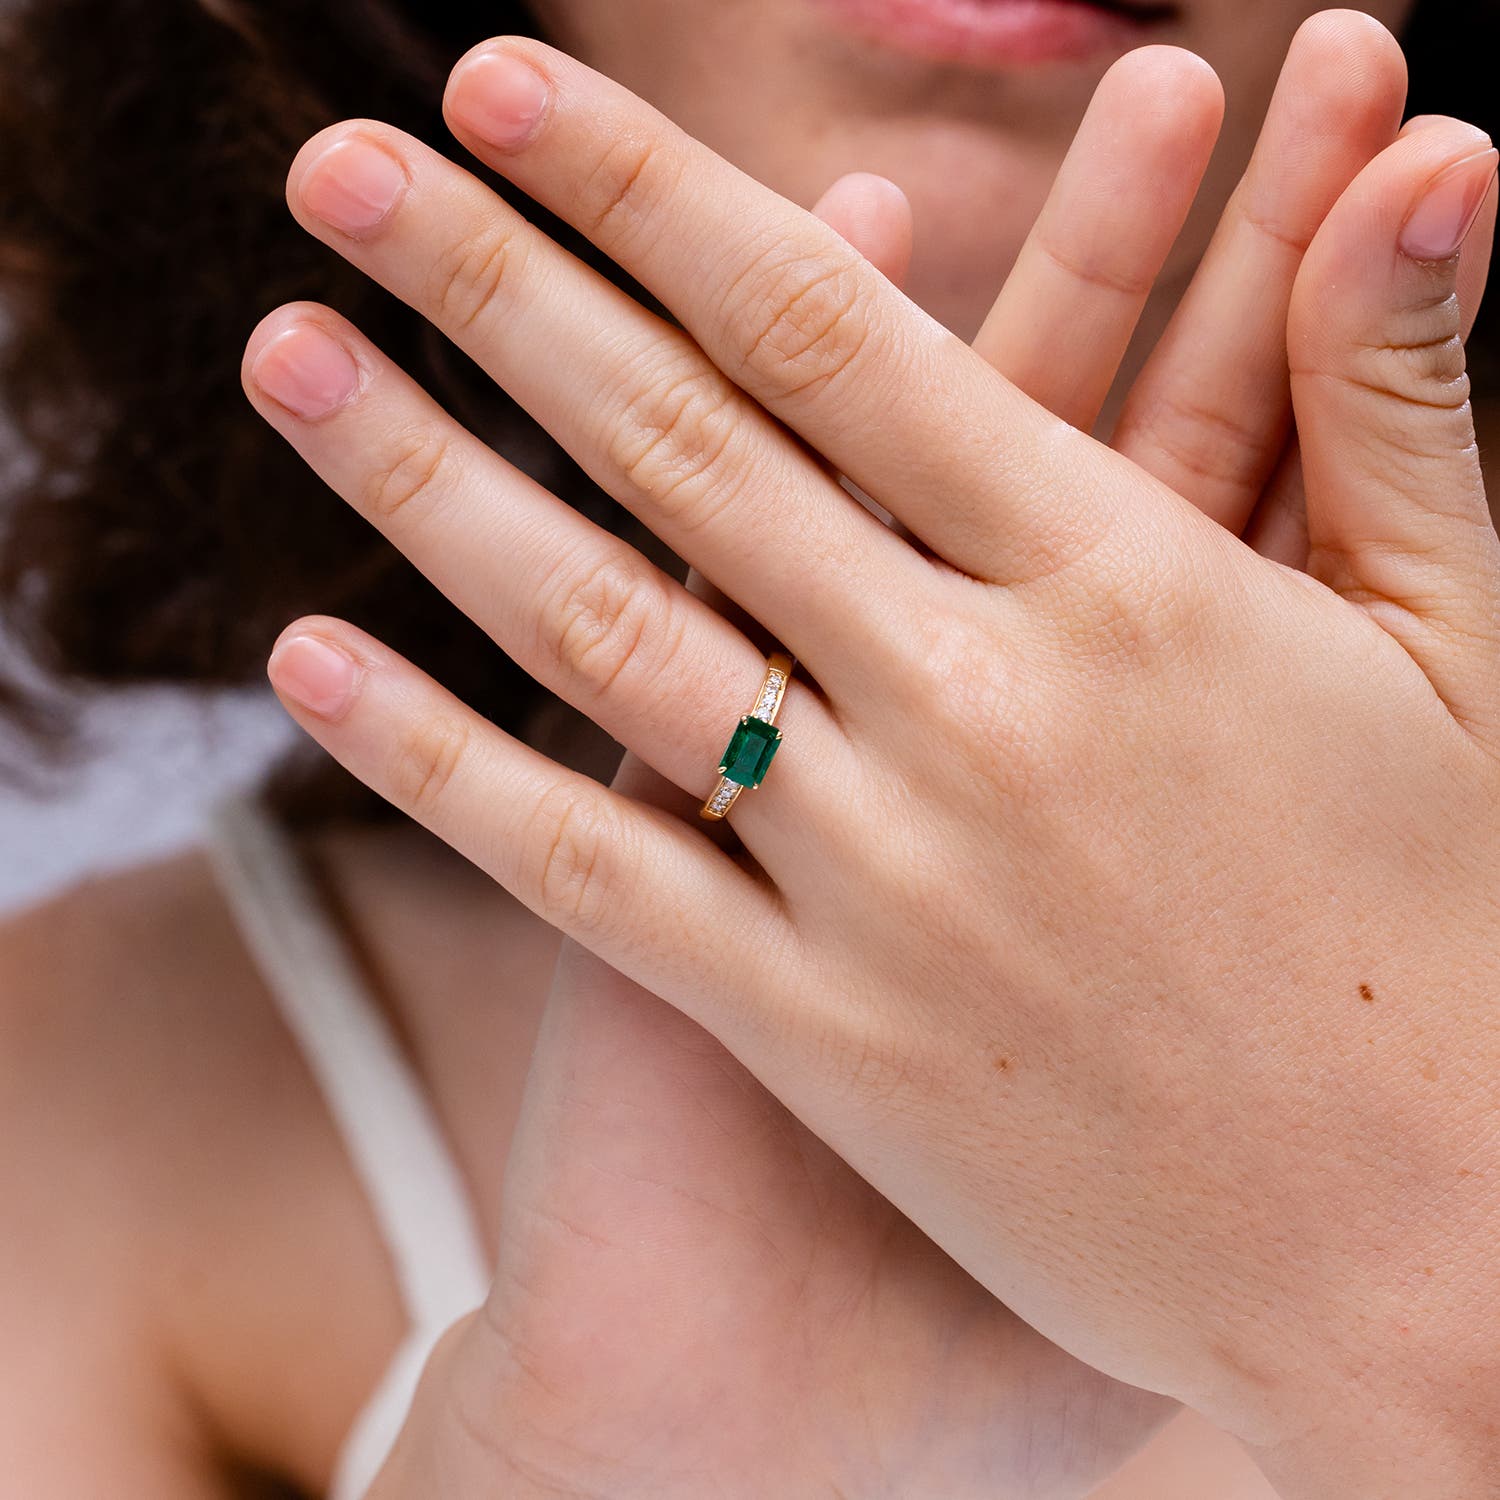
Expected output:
(695, 1296)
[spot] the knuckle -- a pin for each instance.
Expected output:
(467, 278)
(415, 469)
(979, 705)
(799, 319)
(1420, 361)
(1005, 729)
(574, 844)
(600, 621)
(624, 189)
(1411, 376)
(1134, 609)
(670, 442)
(427, 759)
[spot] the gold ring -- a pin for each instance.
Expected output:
(753, 743)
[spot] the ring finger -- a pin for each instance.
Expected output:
(636, 885)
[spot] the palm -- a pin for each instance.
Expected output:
(692, 1289)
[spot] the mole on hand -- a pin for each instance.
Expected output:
(1366, 993)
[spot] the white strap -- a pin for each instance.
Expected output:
(393, 1139)
(368, 1442)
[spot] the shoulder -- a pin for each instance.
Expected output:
(88, 1403)
(89, 985)
(169, 1174)
(136, 1047)
(113, 994)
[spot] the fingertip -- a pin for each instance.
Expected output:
(874, 215)
(1170, 78)
(868, 187)
(1361, 232)
(280, 319)
(1157, 111)
(1347, 60)
(1341, 38)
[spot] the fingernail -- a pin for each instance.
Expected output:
(353, 185)
(499, 98)
(306, 371)
(314, 674)
(1440, 222)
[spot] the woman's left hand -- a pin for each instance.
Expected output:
(1125, 903)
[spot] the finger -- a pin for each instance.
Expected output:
(574, 605)
(1396, 510)
(634, 400)
(874, 215)
(1064, 319)
(778, 300)
(1210, 412)
(641, 888)
(1278, 529)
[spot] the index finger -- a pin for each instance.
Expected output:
(786, 308)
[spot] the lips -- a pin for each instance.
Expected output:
(1135, 10)
(1002, 33)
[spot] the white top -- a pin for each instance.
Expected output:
(394, 1141)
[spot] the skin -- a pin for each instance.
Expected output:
(599, 867)
(873, 217)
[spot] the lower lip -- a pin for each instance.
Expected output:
(993, 32)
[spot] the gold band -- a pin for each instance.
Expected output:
(767, 706)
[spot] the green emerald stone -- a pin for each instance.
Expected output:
(750, 751)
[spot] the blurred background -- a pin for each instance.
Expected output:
(162, 755)
(152, 760)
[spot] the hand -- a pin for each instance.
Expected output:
(500, 762)
(832, 1322)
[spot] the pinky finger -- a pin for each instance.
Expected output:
(650, 895)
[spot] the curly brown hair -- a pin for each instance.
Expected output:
(154, 529)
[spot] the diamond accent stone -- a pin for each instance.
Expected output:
(770, 696)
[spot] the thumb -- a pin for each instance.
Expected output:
(1278, 529)
(1397, 519)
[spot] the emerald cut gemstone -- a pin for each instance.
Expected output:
(750, 751)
